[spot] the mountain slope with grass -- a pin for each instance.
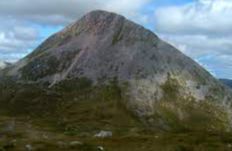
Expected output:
(105, 72)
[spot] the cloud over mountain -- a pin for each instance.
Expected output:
(201, 29)
(20, 34)
(62, 12)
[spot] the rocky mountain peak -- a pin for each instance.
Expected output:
(101, 23)
(96, 22)
(101, 19)
(98, 26)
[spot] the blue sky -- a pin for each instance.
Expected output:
(202, 29)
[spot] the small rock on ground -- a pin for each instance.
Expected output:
(104, 134)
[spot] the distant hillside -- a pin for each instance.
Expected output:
(227, 82)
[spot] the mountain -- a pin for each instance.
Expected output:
(112, 58)
(227, 82)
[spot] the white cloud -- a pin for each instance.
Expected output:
(203, 16)
(200, 45)
(201, 29)
(17, 39)
(24, 33)
(128, 8)
(63, 11)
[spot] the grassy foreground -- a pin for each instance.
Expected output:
(67, 117)
(19, 134)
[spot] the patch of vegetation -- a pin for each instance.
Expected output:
(77, 85)
(170, 89)
(39, 68)
(71, 130)
(117, 36)
(95, 108)
(75, 105)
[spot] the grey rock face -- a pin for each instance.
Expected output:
(28, 147)
(102, 46)
(75, 143)
(3, 64)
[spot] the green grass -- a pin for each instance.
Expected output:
(152, 141)
(74, 105)
(39, 68)
(76, 110)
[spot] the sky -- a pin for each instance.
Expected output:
(201, 29)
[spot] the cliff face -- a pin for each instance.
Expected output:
(161, 85)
